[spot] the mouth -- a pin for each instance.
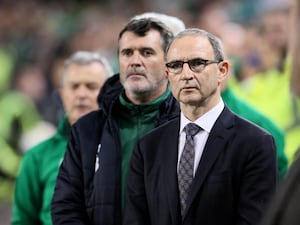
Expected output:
(82, 107)
(189, 88)
(136, 76)
(135, 73)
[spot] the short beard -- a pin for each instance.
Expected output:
(144, 94)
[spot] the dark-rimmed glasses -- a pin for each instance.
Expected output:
(196, 65)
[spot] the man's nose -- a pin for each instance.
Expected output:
(136, 59)
(186, 72)
(82, 91)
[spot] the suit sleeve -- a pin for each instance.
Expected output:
(259, 180)
(284, 208)
(136, 209)
(68, 203)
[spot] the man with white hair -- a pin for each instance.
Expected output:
(83, 75)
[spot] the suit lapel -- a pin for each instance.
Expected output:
(214, 145)
(170, 149)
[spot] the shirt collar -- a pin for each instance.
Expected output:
(207, 120)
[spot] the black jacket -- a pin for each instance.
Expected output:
(233, 183)
(88, 188)
(284, 207)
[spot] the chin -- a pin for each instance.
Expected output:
(82, 112)
(189, 99)
(138, 88)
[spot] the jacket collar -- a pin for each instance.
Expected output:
(113, 88)
(64, 127)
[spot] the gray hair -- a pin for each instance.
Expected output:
(84, 58)
(175, 24)
(214, 40)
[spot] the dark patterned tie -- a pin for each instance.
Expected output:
(186, 164)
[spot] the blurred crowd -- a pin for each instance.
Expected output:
(36, 37)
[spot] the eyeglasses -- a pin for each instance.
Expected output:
(196, 65)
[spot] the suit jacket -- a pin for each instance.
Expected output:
(284, 207)
(235, 178)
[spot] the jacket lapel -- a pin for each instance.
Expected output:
(214, 145)
(170, 149)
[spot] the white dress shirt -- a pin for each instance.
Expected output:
(206, 122)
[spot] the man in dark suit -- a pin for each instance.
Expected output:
(225, 173)
(284, 207)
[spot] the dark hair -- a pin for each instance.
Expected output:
(140, 27)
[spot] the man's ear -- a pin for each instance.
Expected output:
(223, 70)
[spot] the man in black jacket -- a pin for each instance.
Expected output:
(90, 187)
(208, 166)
